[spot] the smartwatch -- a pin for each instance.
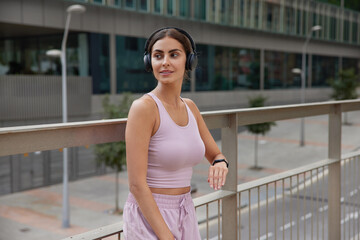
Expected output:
(220, 160)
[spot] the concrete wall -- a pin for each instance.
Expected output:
(40, 97)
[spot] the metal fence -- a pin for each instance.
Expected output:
(42, 168)
(234, 205)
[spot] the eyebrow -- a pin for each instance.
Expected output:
(172, 50)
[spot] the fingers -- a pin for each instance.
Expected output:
(217, 176)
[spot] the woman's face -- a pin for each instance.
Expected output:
(168, 59)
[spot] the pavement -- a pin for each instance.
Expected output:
(36, 214)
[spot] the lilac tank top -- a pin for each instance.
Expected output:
(173, 151)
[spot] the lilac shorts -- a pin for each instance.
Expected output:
(178, 212)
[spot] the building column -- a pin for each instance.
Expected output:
(262, 69)
(113, 77)
(282, 13)
(260, 14)
(236, 9)
(164, 7)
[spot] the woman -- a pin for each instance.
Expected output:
(165, 137)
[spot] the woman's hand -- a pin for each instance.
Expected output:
(217, 175)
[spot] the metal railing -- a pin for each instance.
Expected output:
(234, 202)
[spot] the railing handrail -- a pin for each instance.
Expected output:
(78, 133)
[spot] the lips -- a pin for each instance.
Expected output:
(165, 72)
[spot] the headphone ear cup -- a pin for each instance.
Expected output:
(191, 62)
(147, 62)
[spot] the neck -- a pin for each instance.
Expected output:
(168, 94)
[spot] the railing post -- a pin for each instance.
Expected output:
(229, 146)
(334, 183)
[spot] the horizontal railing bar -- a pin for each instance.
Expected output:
(350, 105)
(25, 139)
(212, 197)
(62, 136)
(277, 114)
(216, 121)
(350, 155)
(57, 126)
(101, 232)
(276, 177)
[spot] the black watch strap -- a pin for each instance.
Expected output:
(220, 160)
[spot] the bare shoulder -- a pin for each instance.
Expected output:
(143, 108)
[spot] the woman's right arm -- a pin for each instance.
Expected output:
(139, 128)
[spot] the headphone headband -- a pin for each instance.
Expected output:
(187, 35)
(191, 58)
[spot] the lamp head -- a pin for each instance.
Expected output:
(316, 28)
(296, 70)
(76, 8)
(53, 53)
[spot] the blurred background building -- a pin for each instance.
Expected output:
(245, 47)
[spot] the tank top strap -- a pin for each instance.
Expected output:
(159, 104)
(189, 112)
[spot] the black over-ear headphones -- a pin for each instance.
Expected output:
(191, 58)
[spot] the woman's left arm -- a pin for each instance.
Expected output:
(217, 172)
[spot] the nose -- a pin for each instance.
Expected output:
(165, 60)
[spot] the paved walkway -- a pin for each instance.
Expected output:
(36, 214)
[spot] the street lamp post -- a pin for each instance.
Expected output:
(62, 54)
(303, 79)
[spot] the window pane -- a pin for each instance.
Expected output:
(223, 68)
(131, 74)
(100, 62)
(143, 5)
(157, 6)
(129, 3)
(351, 63)
(170, 7)
(278, 70)
(354, 32)
(323, 68)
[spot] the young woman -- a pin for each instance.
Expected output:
(165, 137)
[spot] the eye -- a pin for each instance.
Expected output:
(174, 54)
(157, 56)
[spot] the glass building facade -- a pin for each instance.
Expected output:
(290, 17)
(86, 54)
(220, 68)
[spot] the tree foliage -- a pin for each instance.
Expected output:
(259, 128)
(344, 86)
(113, 154)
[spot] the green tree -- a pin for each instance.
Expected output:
(344, 86)
(259, 128)
(114, 154)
